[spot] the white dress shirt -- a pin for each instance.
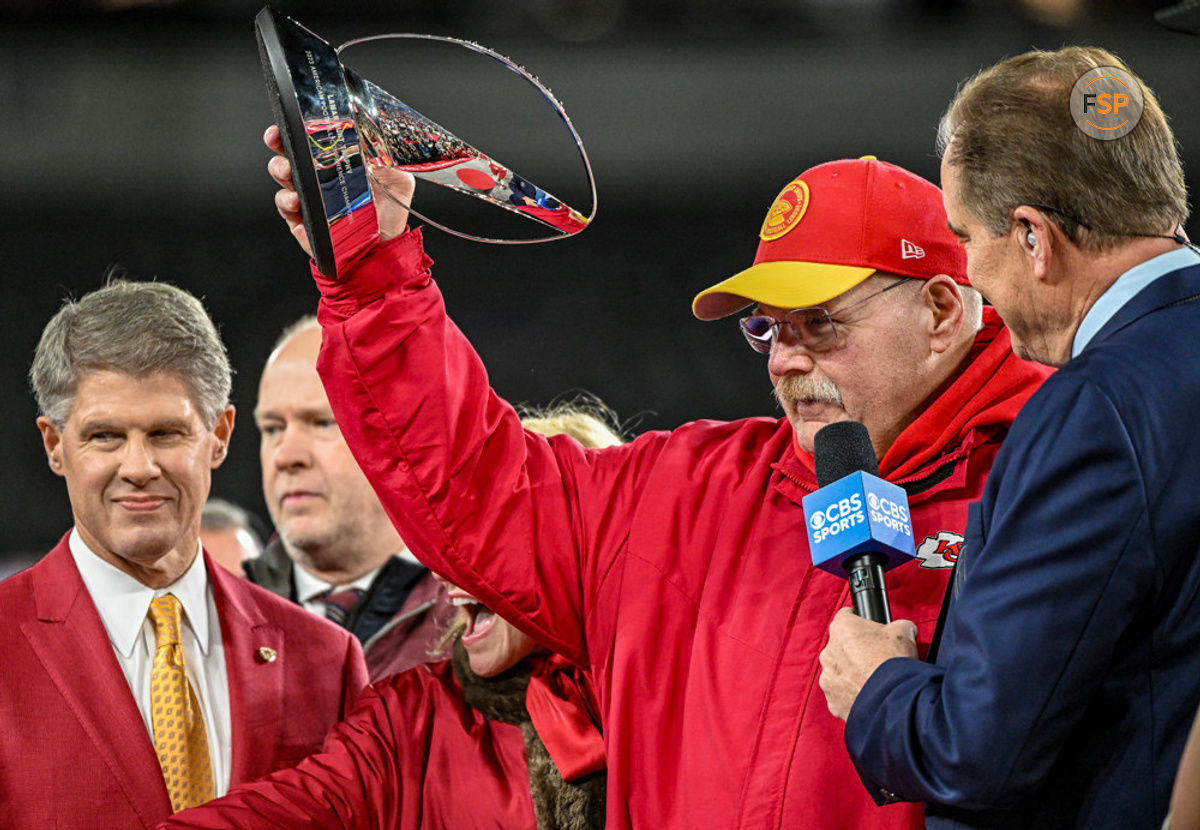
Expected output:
(123, 603)
(309, 588)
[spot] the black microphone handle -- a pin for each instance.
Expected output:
(867, 588)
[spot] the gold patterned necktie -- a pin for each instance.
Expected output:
(179, 736)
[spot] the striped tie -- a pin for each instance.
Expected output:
(339, 604)
(179, 736)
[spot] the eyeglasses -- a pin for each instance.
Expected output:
(812, 327)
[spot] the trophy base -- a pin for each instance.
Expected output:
(290, 120)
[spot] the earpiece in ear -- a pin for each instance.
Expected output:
(1030, 237)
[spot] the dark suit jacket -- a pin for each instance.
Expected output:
(398, 620)
(74, 750)
(1069, 670)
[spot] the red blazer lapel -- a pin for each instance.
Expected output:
(254, 662)
(72, 645)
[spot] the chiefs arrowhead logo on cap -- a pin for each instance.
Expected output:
(786, 211)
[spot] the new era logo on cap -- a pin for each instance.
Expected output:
(910, 250)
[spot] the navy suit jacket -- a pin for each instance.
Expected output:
(1068, 672)
(74, 750)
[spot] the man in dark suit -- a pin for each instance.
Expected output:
(337, 553)
(139, 677)
(1068, 668)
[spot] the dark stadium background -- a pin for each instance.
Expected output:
(131, 134)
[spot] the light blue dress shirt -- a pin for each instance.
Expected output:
(1125, 289)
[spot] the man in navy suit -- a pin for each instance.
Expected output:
(1068, 668)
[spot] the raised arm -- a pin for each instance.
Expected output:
(531, 526)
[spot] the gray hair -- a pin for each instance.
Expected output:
(1010, 135)
(220, 514)
(972, 307)
(972, 299)
(138, 329)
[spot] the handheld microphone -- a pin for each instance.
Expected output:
(858, 524)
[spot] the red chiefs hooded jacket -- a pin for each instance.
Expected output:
(675, 568)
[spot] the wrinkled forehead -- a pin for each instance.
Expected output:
(111, 394)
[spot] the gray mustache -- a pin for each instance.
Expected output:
(807, 388)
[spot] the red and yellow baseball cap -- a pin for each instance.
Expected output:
(833, 226)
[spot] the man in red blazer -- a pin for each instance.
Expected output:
(132, 384)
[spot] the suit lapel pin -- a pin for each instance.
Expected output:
(266, 654)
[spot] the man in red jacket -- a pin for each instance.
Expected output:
(675, 568)
(138, 676)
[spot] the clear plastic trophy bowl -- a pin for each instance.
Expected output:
(337, 126)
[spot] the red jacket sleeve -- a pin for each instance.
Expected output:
(354, 782)
(354, 675)
(531, 526)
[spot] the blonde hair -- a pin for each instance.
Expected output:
(585, 418)
(1010, 136)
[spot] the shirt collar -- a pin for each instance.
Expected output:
(1126, 288)
(123, 602)
(308, 586)
(407, 555)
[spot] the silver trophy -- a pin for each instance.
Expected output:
(336, 124)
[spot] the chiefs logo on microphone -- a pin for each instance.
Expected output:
(940, 551)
